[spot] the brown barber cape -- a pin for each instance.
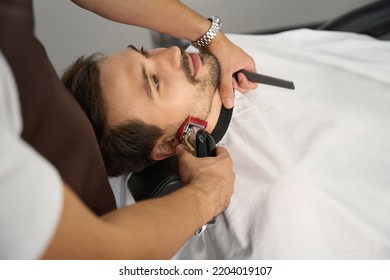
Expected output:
(53, 123)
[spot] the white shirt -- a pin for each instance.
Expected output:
(312, 165)
(30, 188)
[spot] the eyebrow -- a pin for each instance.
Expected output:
(145, 79)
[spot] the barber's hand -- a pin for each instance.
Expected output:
(232, 59)
(212, 178)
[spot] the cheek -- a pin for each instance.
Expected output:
(179, 97)
(196, 103)
(177, 104)
(173, 114)
(166, 114)
(138, 109)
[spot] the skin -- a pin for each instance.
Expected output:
(157, 15)
(157, 228)
(181, 84)
(151, 229)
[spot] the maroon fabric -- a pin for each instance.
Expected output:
(53, 122)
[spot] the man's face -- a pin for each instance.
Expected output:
(160, 87)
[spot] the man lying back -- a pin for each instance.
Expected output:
(136, 101)
(311, 165)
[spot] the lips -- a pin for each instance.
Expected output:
(196, 63)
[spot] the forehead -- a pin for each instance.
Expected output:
(120, 78)
(123, 60)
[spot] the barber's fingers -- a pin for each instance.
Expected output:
(242, 83)
(228, 82)
(222, 152)
(213, 176)
(222, 162)
(187, 168)
(226, 89)
(182, 152)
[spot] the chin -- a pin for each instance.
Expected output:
(214, 69)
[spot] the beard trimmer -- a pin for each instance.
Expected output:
(197, 140)
(200, 143)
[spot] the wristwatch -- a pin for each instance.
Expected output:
(203, 41)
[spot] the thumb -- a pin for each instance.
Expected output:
(181, 151)
(226, 90)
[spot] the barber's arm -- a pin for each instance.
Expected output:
(152, 229)
(173, 18)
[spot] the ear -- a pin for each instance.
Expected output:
(164, 148)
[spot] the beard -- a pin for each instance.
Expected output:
(208, 59)
(206, 86)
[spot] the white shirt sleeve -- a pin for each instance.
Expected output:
(30, 188)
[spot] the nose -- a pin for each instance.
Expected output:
(170, 57)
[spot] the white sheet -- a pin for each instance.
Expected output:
(312, 165)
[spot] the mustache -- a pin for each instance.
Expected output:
(185, 66)
(214, 66)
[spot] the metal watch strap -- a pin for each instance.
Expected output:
(210, 34)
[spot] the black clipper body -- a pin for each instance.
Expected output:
(197, 140)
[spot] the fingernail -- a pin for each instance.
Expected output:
(228, 103)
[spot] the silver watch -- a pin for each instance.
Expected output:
(210, 34)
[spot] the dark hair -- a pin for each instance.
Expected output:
(126, 147)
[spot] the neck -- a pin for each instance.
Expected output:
(213, 117)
